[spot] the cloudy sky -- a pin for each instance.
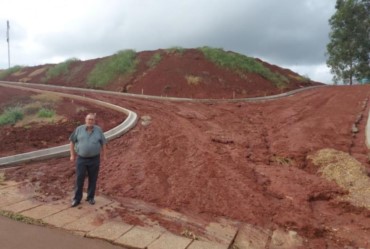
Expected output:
(289, 33)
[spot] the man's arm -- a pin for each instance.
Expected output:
(104, 151)
(72, 151)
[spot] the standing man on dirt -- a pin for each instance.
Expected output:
(89, 144)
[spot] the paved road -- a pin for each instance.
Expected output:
(17, 235)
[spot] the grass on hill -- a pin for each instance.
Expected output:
(175, 50)
(11, 115)
(40, 109)
(59, 69)
(121, 63)
(45, 113)
(9, 71)
(154, 60)
(242, 64)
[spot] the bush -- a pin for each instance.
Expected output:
(11, 115)
(123, 62)
(241, 64)
(45, 113)
(154, 60)
(59, 69)
(175, 50)
(9, 71)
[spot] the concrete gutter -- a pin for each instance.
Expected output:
(62, 151)
(253, 99)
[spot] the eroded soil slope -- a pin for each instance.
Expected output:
(243, 161)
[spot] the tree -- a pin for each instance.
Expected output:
(349, 47)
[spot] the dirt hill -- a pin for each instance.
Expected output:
(193, 73)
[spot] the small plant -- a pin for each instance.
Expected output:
(7, 72)
(154, 60)
(32, 108)
(11, 115)
(59, 69)
(193, 80)
(189, 234)
(175, 50)
(45, 113)
(241, 64)
(123, 62)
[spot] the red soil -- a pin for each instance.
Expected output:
(169, 77)
(243, 161)
(36, 136)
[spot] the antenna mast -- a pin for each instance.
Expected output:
(7, 39)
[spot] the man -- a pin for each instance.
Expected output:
(89, 143)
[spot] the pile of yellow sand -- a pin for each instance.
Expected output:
(347, 172)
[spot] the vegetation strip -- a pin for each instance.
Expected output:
(123, 62)
(21, 218)
(243, 64)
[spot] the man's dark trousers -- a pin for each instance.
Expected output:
(91, 166)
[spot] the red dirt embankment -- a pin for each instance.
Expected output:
(178, 74)
(244, 161)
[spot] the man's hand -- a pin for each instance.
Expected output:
(72, 151)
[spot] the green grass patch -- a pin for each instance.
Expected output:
(11, 115)
(21, 218)
(59, 69)
(242, 64)
(121, 63)
(154, 60)
(9, 71)
(175, 50)
(45, 113)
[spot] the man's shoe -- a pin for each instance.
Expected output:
(75, 203)
(91, 201)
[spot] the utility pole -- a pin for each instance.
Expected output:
(7, 39)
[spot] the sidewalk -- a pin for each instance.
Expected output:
(96, 222)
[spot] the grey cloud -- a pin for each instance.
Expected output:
(288, 32)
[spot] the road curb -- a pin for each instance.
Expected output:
(151, 97)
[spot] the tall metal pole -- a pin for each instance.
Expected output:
(7, 39)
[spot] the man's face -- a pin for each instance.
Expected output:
(90, 120)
